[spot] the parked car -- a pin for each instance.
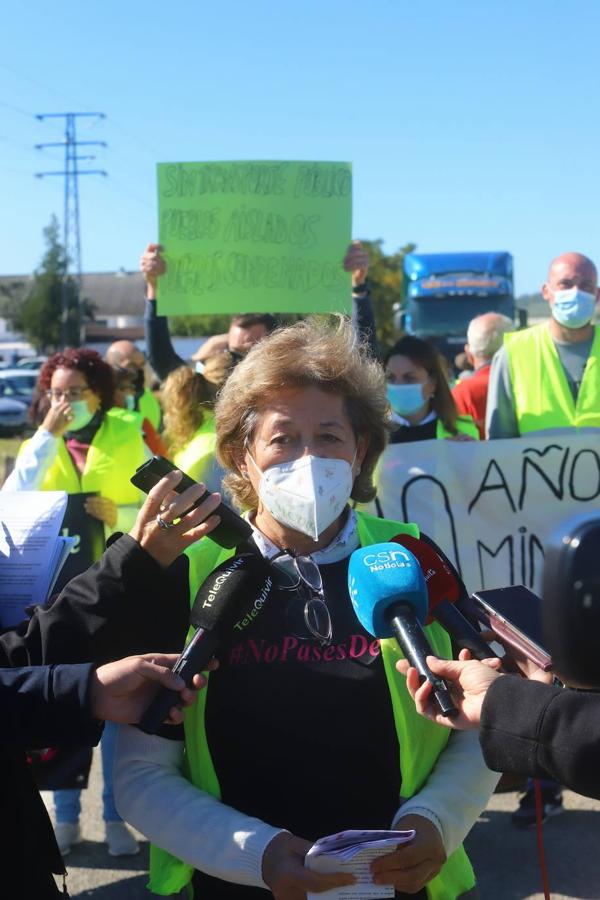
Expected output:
(18, 383)
(13, 416)
(32, 363)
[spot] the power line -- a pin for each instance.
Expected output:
(71, 173)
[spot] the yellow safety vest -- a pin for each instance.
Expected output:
(116, 451)
(150, 408)
(542, 397)
(199, 451)
(464, 425)
(420, 740)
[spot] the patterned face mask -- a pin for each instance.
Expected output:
(307, 494)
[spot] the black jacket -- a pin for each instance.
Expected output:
(538, 730)
(122, 605)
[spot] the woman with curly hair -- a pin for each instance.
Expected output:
(81, 446)
(187, 398)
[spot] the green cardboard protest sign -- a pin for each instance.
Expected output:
(254, 237)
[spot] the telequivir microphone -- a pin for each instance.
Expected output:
(445, 589)
(389, 595)
(237, 589)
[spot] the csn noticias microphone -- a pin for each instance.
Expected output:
(445, 588)
(389, 595)
(237, 588)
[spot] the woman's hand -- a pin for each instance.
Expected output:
(468, 680)
(165, 544)
(102, 508)
(58, 418)
(410, 866)
(283, 870)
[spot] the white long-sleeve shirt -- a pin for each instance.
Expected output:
(34, 460)
(148, 774)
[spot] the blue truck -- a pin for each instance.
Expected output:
(444, 291)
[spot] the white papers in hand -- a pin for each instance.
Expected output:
(353, 851)
(30, 549)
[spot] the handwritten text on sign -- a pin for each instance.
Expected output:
(254, 237)
(491, 505)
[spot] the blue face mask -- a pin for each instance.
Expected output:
(130, 402)
(405, 398)
(573, 308)
(81, 415)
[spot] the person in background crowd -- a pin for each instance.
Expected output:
(312, 735)
(188, 398)
(125, 355)
(356, 261)
(463, 366)
(120, 607)
(244, 331)
(420, 396)
(484, 338)
(84, 445)
(546, 379)
(125, 399)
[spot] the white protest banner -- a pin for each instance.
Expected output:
(491, 505)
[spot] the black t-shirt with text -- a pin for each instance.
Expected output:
(302, 736)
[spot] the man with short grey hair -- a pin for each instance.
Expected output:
(484, 337)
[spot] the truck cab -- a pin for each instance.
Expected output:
(444, 291)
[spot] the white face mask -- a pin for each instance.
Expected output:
(307, 494)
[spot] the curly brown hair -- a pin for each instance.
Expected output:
(98, 375)
(311, 353)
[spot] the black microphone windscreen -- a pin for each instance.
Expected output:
(230, 590)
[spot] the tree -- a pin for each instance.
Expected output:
(39, 315)
(196, 326)
(386, 281)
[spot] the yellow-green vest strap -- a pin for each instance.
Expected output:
(199, 451)
(420, 740)
(150, 408)
(115, 453)
(542, 397)
(464, 425)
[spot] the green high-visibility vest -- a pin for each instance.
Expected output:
(464, 425)
(150, 408)
(541, 392)
(420, 740)
(197, 454)
(116, 451)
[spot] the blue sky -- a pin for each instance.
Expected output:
(471, 125)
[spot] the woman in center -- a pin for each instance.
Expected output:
(306, 728)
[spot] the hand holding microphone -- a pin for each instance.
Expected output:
(389, 595)
(238, 587)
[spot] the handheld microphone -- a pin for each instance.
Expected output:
(237, 588)
(389, 595)
(445, 589)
